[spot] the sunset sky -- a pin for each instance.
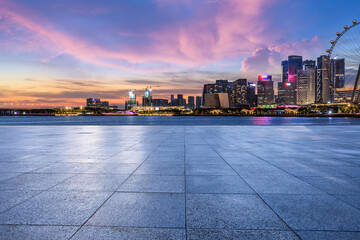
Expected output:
(61, 52)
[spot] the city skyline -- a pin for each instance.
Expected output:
(61, 53)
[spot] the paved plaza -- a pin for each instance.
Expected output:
(178, 182)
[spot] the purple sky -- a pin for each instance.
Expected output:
(60, 52)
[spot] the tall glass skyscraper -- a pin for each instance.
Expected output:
(295, 64)
(284, 72)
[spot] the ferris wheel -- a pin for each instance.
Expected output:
(345, 50)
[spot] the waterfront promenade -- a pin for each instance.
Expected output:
(178, 182)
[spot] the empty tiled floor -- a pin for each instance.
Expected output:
(180, 182)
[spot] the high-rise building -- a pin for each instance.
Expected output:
(306, 87)
(265, 87)
(295, 64)
(198, 102)
(191, 102)
(239, 92)
(323, 92)
(159, 102)
(132, 100)
(223, 86)
(208, 88)
(286, 93)
(309, 64)
(284, 70)
(180, 100)
(338, 72)
(172, 100)
(251, 94)
(147, 99)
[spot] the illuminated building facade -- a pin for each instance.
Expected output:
(306, 87)
(239, 92)
(323, 92)
(96, 103)
(284, 70)
(265, 90)
(132, 100)
(286, 93)
(295, 64)
(147, 99)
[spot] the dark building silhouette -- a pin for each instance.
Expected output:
(160, 102)
(191, 102)
(338, 72)
(198, 102)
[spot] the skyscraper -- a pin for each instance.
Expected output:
(338, 72)
(284, 70)
(265, 87)
(191, 102)
(132, 100)
(286, 93)
(295, 64)
(323, 92)
(306, 87)
(172, 101)
(309, 64)
(208, 88)
(147, 99)
(251, 94)
(198, 102)
(239, 92)
(180, 100)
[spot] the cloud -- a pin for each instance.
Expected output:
(268, 59)
(202, 32)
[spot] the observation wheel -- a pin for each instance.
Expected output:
(345, 50)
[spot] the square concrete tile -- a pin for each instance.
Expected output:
(216, 184)
(33, 181)
(91, 182)
(209, 169)
(315, 212)
(315, 235)
(142, 210)
(194, 234)
(230, 211)
(164, 160)
(255, 169)
(160, 169)
(29, 232)
(55, 208)
(113, 168)
(65, 167)
(335, 184)
(11, 198)
(126, 233)
(204, 160)
(274, 184)
(153, 183)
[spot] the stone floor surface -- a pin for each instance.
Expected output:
(180, 182)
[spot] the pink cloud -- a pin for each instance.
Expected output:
(215, 31)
